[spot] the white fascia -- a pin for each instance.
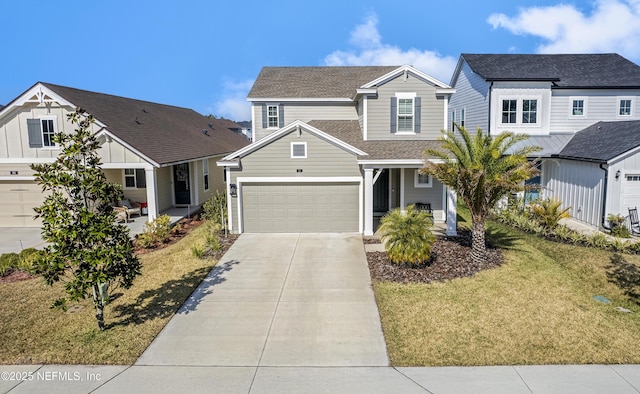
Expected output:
(299, 99)
(409, 69)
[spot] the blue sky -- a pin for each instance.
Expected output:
(205, 54)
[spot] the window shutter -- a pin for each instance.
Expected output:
(280, 115)
(416, 114)
(141, 179)
(394, 114)
(34, 128)
(264, 116)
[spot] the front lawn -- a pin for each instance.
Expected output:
(34, 334)
(537, 308)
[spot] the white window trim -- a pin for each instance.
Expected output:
(412, 96)
(305, 150)
(631, 112)
(519, 111)
(584, 106)
(205, 173)
(277, 115)
(55, 130)
(124, 179)
(417, 185)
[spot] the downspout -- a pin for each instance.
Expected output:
(489, 114)
(604, 194)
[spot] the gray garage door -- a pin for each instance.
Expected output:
(300, 207)
(17, 199)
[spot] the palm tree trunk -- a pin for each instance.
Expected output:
(478, 247)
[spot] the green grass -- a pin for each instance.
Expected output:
(34, 334)
(537, 308)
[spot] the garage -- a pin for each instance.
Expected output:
(631, 197)
(17, 200)
(300, 207)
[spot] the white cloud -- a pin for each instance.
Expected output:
(369, 50)
(612, 26)
(234, 105)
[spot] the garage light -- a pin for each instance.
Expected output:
(618, 175)
(233, 190)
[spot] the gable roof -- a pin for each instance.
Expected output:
(603, 141)
(608, 70)
(162, 133)
(329, 82)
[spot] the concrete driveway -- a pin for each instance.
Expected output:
(278, 300)
(14, 239)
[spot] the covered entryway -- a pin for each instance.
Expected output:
(300, 207)
(17, 200)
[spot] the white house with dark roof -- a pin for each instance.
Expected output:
(335, 148)
(164, 156)
(551, 98)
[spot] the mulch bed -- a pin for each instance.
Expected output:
(451, 258)
(15, 276)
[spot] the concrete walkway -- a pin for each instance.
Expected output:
(295, 313)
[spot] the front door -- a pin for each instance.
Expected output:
(181, 184)
(381, 193)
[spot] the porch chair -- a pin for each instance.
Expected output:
(633, 220)
(424, 207)
(129, 208)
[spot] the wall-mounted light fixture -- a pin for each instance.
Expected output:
(233, 190)
(618, 174)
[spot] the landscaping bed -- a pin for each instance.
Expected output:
(451, 258)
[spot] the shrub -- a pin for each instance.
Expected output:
(548, 212)
(215, 209)
(197, 251)
(407, 236)
(597, 240)
(8, 262)
(27, 259)
(618, 228)
(158, 230)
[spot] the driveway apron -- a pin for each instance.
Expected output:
(277, 300)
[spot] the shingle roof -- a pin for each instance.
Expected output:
(349, 131)
(164, 133)
(566, 71)
(314, 82)
(603, 141)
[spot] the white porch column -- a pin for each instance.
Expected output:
(152, 193)
(368, 201)
(451, 212)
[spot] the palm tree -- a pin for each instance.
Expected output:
(479, 169)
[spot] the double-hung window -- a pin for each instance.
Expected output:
(41, 132)
(405, 115)
(48, 131)
(577, 107)
(421, 180)
(272, 116)
(624, 107)
(529, 111)
(509, 111)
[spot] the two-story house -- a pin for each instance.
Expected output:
(551, 98)
(163, 156)
(335, 148)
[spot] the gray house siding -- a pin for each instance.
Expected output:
(600, 105)
(431, 195)
(472, 94)
(379, 110)
(304, 112)
(579, 185)
(274, 160)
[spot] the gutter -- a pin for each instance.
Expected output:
(489, 114)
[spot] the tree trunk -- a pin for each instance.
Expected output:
(478, 247)
(97, 300)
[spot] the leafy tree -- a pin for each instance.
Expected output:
(407, 235)
(479, 169)
(88, 251)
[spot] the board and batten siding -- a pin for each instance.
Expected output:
(579, 185)
(274, 160)
(472, 94)
(600, 105)
(165, 187)
(378, 110)
(113, 152)
(304, 112)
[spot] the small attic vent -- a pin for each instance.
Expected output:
(137, 121)
(144, 110)
(205, 132)
(210, 125)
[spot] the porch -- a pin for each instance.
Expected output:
(136, 224)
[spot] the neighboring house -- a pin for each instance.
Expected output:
(335, 148)
(598, 172)
(550, 98)
(162, 155)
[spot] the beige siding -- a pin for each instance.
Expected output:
(323, 159)
(305, 112)
(114, 152)
(17, 200)
(165, 188)
(379, 110)
(216, 180)
(22, 169)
